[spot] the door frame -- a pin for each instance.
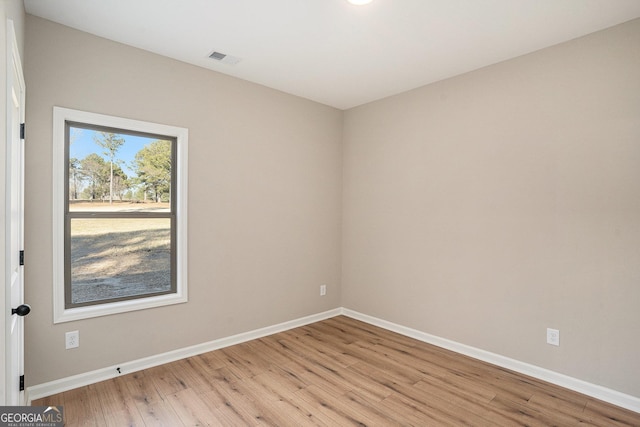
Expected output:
(13, 62)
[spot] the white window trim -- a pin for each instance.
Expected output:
(60, 313)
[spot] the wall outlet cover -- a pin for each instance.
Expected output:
(553, 336)
(72, 339)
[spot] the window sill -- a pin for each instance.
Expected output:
(87, 312)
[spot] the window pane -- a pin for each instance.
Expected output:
(118, 172)
(113, 258)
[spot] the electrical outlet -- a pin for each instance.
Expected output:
(72, 339)
(323, 290)
(553, 336)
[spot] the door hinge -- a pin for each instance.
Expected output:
(21, 382)
(22, 130)
(21, 257)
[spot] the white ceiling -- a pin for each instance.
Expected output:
(335, 53)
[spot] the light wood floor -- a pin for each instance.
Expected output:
(332, 373)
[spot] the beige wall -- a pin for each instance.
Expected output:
(264, 198)
(490, 206)
(482, 209)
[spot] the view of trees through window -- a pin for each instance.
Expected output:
(106, 166)
(119, 217)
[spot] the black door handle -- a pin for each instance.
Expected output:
(21, 310)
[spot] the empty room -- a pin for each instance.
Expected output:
(321, 212)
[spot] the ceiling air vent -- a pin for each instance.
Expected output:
(224, 58)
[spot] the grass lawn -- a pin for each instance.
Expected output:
(115, 258)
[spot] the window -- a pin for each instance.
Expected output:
(119, 215)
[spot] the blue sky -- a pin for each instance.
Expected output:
(82, 144)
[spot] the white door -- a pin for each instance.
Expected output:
(14, 339)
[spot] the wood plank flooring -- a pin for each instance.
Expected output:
(338, 372)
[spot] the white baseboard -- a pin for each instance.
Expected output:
(602, 393)
(58, 386)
